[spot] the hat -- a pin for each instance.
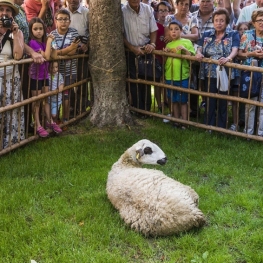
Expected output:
(10, 3)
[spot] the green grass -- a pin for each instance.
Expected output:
(54, 207)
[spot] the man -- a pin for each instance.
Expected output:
(139, 37)
(79, 21)
(246, 12)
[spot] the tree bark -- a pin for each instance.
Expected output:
(107, 64)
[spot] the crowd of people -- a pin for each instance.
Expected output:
(43, 29)
(40, 29)
(223, 30)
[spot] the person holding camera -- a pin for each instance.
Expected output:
(11, 47)
(65, 42)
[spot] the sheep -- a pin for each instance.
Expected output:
(148, 201)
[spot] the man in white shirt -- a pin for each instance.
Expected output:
(140, 31)
(246, 12)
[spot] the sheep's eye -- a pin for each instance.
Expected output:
(148, 150)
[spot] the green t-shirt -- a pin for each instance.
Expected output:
(173, 65)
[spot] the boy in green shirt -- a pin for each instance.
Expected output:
(177, 70)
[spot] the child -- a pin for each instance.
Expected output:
(177, 70)
(56, 81)
(242, 27)
(65, 44)
(39, 74)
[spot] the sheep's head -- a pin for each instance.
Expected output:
(148, 152)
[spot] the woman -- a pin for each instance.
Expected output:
(251, 48)
(190, 24)
(44, 9)
(220, 44)
(12, 45)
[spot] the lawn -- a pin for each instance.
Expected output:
(54, 207)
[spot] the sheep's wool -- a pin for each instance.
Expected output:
(149, 201)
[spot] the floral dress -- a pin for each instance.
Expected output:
(13, 128)
(215, 50)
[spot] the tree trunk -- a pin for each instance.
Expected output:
(107, 64)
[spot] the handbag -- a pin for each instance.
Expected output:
(149, 67)
(222, 79)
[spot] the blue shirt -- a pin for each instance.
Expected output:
(215, 50)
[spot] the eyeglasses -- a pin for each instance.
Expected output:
(163, 11)
(259, 21)
(62, 19)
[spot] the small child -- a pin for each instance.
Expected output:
(177, 70)
(56, 81)
(39, 82)
(242, 27)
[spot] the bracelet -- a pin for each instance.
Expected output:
(153, 44)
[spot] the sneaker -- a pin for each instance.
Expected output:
(42, 132)
(203, 104)
(54, 127)
(165, 120)
(233, 127)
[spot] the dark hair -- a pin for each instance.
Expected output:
(221, 11)
(242, 23)
(171, 3)
(30, 25)
(190, 2)
(62, 11)
(176, 22)
(166, 4)
(50, 66)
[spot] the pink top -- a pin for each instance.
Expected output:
(32, 9)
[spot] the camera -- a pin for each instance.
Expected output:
(83, 39)
(6, 21)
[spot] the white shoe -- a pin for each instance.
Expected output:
(165, 120)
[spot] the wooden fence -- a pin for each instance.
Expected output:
(82, 96)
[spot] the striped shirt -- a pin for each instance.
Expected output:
(67, 67)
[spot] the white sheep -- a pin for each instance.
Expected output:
(149, 201)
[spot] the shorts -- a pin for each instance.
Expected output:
(68, 81)
(38, 84)
(178, 96)
(54, 105)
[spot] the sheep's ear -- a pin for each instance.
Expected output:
(139, 153)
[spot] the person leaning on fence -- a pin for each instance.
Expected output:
(12, 46)
(65, 44)
(251, 48)
(219, 44)
(177, 70)
(139, 31)
(39, 82)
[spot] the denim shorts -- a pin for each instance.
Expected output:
(178, 96)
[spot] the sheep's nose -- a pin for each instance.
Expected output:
(162, 161)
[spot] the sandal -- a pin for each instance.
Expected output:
(42, 132)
